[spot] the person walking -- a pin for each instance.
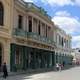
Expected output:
(57, 66)
(5, 73)
(60, 67)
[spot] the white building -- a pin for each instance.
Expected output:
(76, 55)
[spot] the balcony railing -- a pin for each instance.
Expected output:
(39, 38)
(33, 36)
(19, 32)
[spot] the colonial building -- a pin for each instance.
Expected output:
(29, 39)
(76, 55)
(63, 44)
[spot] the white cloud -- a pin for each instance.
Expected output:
(77, 2)
(70, 24)
(29, 0)
(76, 41)
(58, 2)
(62, 13)
(77, 45)
(76, 38)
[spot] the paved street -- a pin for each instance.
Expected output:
(71, 74)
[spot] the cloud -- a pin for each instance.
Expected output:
(77, 45)
(58, 2)
(77, 2)
(62, 13)
(67, 22)
(76, 41)
(29, 0)
(76, 38)
(54, 2)
(70, 24)
(61, 2)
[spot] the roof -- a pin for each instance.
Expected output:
(31, 5)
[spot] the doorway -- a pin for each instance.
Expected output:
(0, 56)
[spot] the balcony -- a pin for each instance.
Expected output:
(37, 37)
(19, 32)
(33, 36)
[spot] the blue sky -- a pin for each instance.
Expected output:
(66, 14)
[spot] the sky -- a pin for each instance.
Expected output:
(64, 13)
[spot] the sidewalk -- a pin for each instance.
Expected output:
(34, 71)
(28, 72)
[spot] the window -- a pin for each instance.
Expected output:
(63, 43)
(20, 19)
(59, 40)
(1, 14)
(46, 31)
(30, 26)
(18, 57)
(49, 32)
(39, 28)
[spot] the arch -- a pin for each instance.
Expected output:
(1, 14)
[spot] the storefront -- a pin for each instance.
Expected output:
(23, 58)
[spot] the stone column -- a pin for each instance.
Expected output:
(7, 54)
(24, 22)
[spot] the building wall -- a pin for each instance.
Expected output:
(5, 31)
(76, 55)
(63, 49)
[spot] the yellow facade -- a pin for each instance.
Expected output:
(9, 23)
(5, 31)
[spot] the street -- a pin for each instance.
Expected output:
(70, 74)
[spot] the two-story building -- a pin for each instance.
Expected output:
(29, 39)
(63, 44)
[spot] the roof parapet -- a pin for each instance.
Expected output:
(39, 9)
(31, 5)
(62, 31)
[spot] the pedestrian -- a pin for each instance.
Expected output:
(60, 67)
(5, 73)
(57, 66)
(63, 63)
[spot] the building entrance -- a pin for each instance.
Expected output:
(0, 57)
